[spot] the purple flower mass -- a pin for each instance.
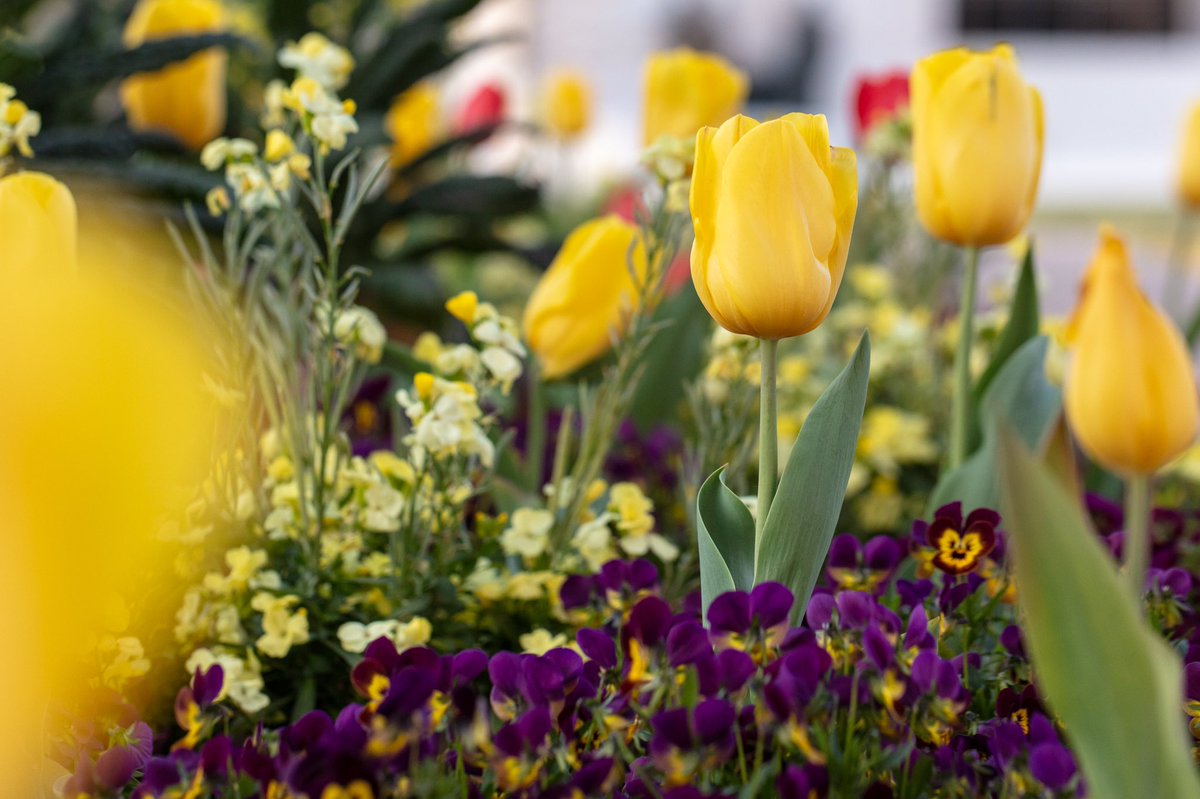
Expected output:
(650, 701)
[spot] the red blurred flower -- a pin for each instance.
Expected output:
(484, 108)
(878, 99)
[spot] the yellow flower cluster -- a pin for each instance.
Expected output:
(624, 527)
(355, 636)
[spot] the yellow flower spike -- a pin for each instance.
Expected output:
(186, 99)
(566, 104)
(1130, 392)
(279, 146)
(39, 227)
(463, 306)
(684, 90)
(977, 146)
(585, 296)
(413, 122)
(1187, 181)
(773, 206)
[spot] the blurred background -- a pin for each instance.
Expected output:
(1116, 76)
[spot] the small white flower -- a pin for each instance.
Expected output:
(316, 57)
(360, 329)
(503, 365)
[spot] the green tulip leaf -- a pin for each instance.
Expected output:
(725, 530)
(1021, 393)
(804, 513)
(1114, 683)
(675, 355)
(1023, 324)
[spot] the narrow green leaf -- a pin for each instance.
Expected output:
(1023, 324)
(675, 356)
(725, 530)
(1021, 393)
(807, 504)
(1112, 680)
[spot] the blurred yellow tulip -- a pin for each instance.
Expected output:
(685, 90)
(413, 122)
(567, 104)
(185, 99)
(977, 146)
(1188, 180)
(103, 425)
(585, 296)
(1130, 389)
(37, 226)
(773, 206)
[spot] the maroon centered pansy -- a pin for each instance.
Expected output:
(961, 545)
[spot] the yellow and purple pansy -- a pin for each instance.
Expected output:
(960, 545)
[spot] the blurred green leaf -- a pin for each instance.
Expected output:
(675, 355)
(1115, 683)
(466, 195)
(1024, 322)
(804, 513)
(725, 532)
(1019, 392)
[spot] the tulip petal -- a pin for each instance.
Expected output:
(776, 221)
(1130, 393)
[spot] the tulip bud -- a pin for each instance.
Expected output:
(185, 99)
(567, 104)
(413, 121)
(1188, 180)
(686, 90)
(585, 296)
(39, 225)
(1130, 391)
(772, 206)
(484, 109)
(977, 146)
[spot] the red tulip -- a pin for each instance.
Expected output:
(878, 99)
(485, 108)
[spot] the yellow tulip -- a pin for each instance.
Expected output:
(38, 225)
(977, 146)
(686, 90)
(185, 99)
(772, 206)
(585, 296)
(1188, 182)
(567, 104)
(413, 122)
(1130, 390)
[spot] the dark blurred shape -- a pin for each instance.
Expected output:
(1075, 16)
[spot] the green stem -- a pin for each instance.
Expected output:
(768, 439)
(535, 437)
(1137, 534)
(960, 424)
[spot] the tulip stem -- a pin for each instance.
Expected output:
(1137, 534)
(1175, 285)
(535, 434)
(960, 424)
(768, 439)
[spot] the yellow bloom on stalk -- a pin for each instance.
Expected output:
(39, 227)
(772, 206)
(977, 145)
(1188, 179)
(185, 99)
(585, 296)
(1130, 393)
(567, 104)
(684, 90)
(413, 122)
(17, 123)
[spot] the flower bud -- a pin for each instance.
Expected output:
(977, 146)
(772, 205)
(185, 99)
(1130, 389)
(567, 105)
(585, 296)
